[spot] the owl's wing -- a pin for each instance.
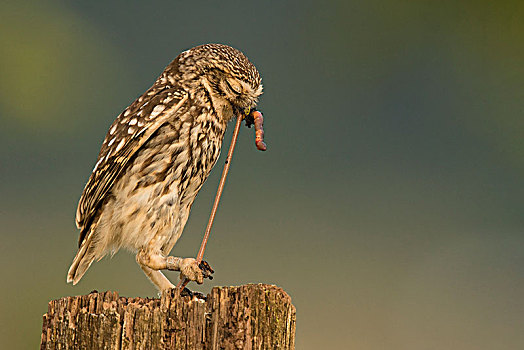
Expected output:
(131, 129)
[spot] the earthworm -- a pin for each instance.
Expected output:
(255, 117)
(259, 130)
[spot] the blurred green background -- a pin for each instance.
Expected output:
(389, 204)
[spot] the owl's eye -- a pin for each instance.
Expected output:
(234, 86)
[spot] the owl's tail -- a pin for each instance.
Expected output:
(84, 258)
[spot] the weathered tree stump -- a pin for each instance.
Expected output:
(254, 316)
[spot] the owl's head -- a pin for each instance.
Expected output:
(226, 73)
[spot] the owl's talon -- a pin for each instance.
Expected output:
(207, 271)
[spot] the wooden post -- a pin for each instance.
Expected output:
(254, 316)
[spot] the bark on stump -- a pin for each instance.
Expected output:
(254, 316)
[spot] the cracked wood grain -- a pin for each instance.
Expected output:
(255, 316)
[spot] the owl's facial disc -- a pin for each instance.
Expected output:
(238, 92)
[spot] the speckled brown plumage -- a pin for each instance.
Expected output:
(155, 158)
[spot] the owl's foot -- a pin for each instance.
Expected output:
(189, 268)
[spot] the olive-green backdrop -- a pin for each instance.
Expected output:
(389, 204)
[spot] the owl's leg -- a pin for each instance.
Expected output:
(157, 277)
(189, 268)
